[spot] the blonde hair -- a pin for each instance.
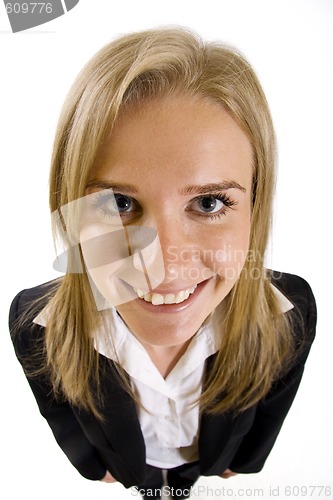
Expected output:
(257, 340)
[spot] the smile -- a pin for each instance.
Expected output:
(158, 299)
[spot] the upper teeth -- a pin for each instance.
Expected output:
(170, 298)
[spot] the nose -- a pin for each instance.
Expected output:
(181, 252)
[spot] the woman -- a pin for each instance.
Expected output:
(167, 345)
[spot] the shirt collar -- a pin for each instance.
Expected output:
(284, 303)
(125, 349)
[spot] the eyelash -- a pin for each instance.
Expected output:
(102, 198)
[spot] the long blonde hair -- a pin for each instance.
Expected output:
(257, 340)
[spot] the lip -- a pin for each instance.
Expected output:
(173, 308)
(174, 291)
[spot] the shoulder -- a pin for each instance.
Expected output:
(298, 291)
(303, 316)
(291, 285)
(25, 306)
(27, 298)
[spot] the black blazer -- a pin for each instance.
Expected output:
(241, 443)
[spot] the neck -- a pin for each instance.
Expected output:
(165, 358)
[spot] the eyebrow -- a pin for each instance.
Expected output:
(187, 190)
(211, 188)
(123, 188)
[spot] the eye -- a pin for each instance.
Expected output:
(211, 205)
(110, 205)
(208, 204)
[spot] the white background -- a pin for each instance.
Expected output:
(290, 44)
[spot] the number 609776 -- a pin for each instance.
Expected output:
(29, 8)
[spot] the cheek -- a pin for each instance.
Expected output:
(113, 270)
(226, 254)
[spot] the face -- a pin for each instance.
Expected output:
(181, 168)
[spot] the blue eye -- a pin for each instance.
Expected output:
(111, 205)
(211, 205)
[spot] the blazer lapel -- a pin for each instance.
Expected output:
(120, 424)
(215, 432)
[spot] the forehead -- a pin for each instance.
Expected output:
(175, 138)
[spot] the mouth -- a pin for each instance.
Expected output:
(158, 299)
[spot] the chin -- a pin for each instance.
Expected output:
(165, 333)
